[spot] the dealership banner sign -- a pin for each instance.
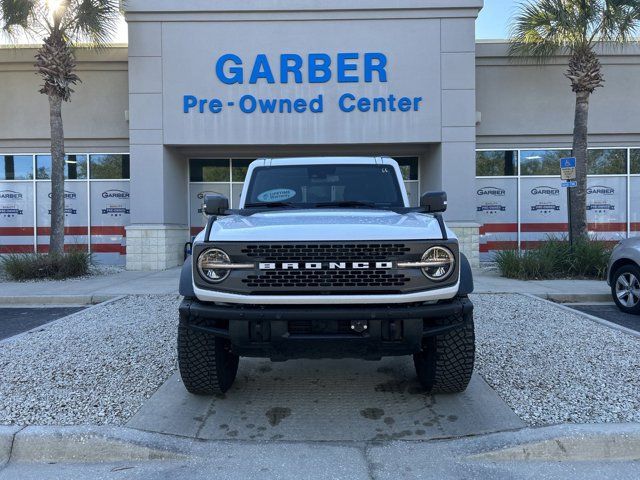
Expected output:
(110, 213)
(16, 217)
(497, 212)
(358, 84)
(314, 68)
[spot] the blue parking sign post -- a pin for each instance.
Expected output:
(568, 176)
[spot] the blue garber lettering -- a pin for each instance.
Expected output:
(347, 67)
(251, 104)
(348, 102)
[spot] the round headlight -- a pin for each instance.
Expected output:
(207, 265)
(440, 263)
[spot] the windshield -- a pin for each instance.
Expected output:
(324, 186)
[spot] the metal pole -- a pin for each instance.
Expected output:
(569, 218)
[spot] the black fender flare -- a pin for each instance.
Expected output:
(466, 276)
(186, 281)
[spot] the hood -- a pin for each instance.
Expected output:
(326, 225)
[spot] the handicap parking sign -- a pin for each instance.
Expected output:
(568, 170)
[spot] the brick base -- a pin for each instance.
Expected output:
(155, 247)
(469, 238)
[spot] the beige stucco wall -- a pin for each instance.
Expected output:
(94, 120)
(524, 104)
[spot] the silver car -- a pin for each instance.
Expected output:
(623, 275)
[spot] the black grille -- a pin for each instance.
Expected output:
(326, 278)
(325, 252)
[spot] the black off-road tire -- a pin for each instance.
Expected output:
(445, 364)
(207, 365)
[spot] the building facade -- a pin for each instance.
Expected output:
(204, 88)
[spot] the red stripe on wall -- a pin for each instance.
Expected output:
(499, 228)
(109, 231)
(67, 248)
(544, 227)
(108, 248)
(16, 231)
(16, 248)
(635, 227)
(67, 231)
(607, 227)
(490, 246)
(196, 230)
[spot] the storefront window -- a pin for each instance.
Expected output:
(607, 162)
(109, 167)
(75, 167)
(496, 163)
(635, 161)
(408, 167)
(16, 167)
(542, 162)
(209, 170)
(239, 169)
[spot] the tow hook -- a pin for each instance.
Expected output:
(359, 326)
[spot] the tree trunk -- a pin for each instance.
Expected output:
(578, 215)
(56, 239)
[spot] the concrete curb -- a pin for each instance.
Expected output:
(7, 434)
(49, 300)
(593, 318)
(564, 443)
(92, 444)
(576, 297)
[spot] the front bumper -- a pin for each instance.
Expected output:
(282, 333)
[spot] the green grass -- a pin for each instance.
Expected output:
(34, 266)
(556, 259)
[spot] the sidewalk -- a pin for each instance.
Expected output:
(99, 288)
(92, 289)
(559, 290)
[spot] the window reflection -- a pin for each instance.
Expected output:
(109, 166)
(16, 167)
(542, 162)
(607, 161)
(75, 167)
(496, 163)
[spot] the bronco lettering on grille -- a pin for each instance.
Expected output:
(325, 265)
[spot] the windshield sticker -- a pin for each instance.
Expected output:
(277, 195)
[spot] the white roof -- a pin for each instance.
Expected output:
(323, 161)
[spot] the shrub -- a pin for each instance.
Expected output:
(37, 266)
(555, 258)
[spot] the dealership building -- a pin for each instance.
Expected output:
(203, 88)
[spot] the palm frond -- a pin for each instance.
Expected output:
(93, 21)
(620, 21)
(16, 13)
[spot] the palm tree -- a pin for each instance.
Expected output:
(60, 25)
(544, 28)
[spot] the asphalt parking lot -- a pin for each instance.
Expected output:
(17, 320)
(611, 313)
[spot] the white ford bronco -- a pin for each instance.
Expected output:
(325, 259)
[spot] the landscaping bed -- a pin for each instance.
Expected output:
(552, 366)
(99, 366)
(95, 367)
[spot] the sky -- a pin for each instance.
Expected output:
(492, 21)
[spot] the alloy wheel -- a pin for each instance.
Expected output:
(628, 289)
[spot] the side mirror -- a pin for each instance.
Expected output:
(215, 204)
(434, 202)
